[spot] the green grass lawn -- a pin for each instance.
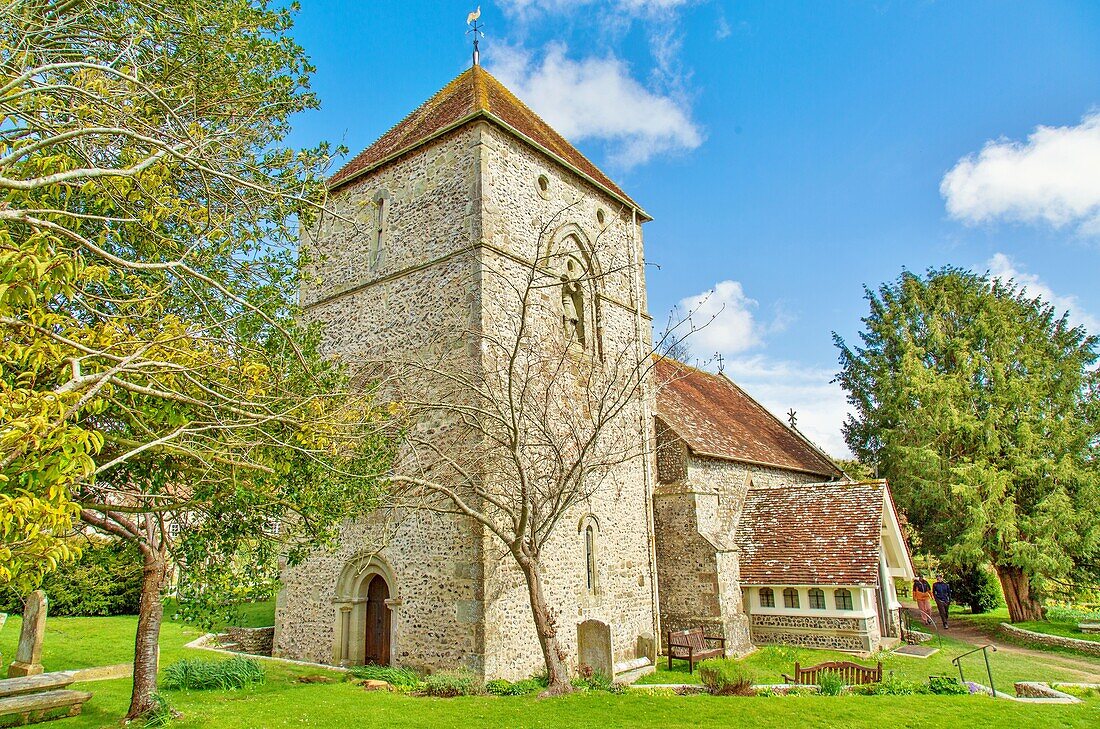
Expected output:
(283, 701)
(993, 619)
(769, 662)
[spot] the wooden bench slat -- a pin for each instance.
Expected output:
(851, 673)
(35, 684)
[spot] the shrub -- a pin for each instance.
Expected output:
(723, 677)
(159, 714)
(1081, 692)
(592, 680)
(399, 678)
(891, 686)
(198, 674)
(830, 683)
(947, 685)
(447, 684)
(106, 580)
(977, 587)
(501, 687)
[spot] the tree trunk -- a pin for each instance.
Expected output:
(557, 674)
(1022, 607)
(150, 615)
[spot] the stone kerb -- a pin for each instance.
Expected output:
(1085, 646)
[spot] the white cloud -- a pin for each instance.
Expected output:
(732, 327)
(723, 319)
(819, 403)
(597, 98)
(723, 30)
(1053, 178)
(1003, 267)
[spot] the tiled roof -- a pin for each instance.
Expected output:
(812, 534)
(472, 95)
(715, 417)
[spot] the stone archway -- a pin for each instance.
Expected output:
(366, 598)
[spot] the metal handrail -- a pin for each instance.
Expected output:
(988, 671)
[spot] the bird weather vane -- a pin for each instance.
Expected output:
(471, 20)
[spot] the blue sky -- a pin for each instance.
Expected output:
(790, 152)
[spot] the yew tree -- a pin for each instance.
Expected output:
(156, 380)
(979, 403)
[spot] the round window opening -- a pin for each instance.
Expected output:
(601, 217)
(544, 185)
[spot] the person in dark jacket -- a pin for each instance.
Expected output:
(941, 593)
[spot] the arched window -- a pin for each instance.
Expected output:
(790, 598)
(817, 599)
(843, 599)
(767, 597)
(590, 556)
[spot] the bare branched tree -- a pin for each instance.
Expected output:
(531, 413)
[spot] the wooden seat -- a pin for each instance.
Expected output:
(35, 684)
(691, 645)
(32, 708)
(852, 673)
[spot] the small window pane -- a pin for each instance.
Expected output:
(817, 599)
(767, 597)
(790, 597)
(590, 556)
(843, 599)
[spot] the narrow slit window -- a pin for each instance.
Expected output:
(590, 556)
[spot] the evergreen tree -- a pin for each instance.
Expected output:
(979, 404)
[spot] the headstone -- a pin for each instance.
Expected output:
(594, 647)
(28, 657)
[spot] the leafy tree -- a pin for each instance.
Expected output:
(976, 587)
(154, 370)
(979, 404)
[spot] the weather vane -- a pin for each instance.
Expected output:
(471, 20)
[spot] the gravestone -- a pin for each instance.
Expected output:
(28, 657)
(594, 647)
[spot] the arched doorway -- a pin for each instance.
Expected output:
(377, 649)
(367, 612)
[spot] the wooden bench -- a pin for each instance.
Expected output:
(32, 708)
(852, 673)
(691, 645)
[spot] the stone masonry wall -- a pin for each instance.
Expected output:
(422, 288)
(522, 222)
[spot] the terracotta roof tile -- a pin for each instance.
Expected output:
(472, 95)
(812, 534)
(716, 417)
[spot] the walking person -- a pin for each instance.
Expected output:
(941, 591)
(922, 593)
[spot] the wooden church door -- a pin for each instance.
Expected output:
(378, 623)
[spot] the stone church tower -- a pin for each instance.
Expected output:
(427, 224)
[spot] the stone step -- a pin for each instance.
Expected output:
(34, 684)
(631, 664)
(32, 708)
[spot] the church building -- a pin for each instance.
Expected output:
(724, 518)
